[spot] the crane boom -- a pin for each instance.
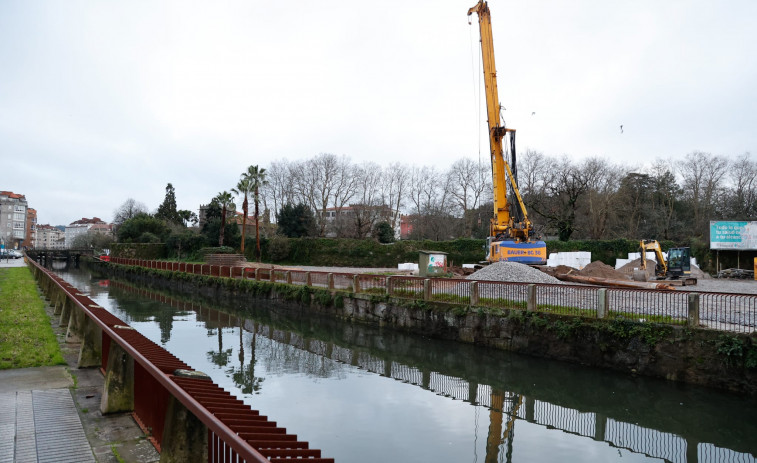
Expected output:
(509, 235)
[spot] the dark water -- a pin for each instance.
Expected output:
(368, 395)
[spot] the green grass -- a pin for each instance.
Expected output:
(502, 303)
(407, 293)
(26, 337)
(667, 319)
(566, 310)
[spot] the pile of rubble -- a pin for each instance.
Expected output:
(512, 272)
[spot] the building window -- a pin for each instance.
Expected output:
(18, 233)
(19, 216)
(18, 225)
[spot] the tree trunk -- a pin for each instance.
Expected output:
(257, 226)
(245, 205)
(223, 226)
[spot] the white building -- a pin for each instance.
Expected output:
(82, 226)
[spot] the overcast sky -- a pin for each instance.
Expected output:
(104, 101)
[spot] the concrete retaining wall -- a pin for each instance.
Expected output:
(678, 353)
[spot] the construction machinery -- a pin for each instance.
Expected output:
(511, 233)
(676, 269)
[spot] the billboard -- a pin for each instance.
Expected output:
(736, 236)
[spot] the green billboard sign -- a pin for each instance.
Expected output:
(737, 236)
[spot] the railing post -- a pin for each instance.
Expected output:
(257, 274)
(308, 280)
(185, 437)
(65, 312)
(90, 352)
(75, 324)
(531, 306)
(693, 310)
(602, 303)
(331, 281)
(427, 289)
(356, 283)
(474, 293)
(118, 389)
(289, 277)
(273, 276)
(389, 285)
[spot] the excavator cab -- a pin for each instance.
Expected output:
(679, 262)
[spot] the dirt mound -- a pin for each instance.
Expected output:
(636, 264)
(558, 270)
(601, 270)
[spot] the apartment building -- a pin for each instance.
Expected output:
(31, 228)
(49, 237)
(13, 208)
(84, 225)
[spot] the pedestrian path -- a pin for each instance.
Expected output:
(42, 426)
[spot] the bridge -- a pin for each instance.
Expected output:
(46, 256)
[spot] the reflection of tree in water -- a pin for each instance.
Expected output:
(220, 358)
(290, 356)
(165, 318)
(244, 377)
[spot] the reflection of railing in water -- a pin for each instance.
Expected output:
(651, 442)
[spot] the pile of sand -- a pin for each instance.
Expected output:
(601, 270)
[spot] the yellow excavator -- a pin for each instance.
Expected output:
(511, 233)
(676, 269)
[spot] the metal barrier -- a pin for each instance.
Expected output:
(725, 312)
(180, 407)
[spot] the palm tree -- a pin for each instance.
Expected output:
(244, 189)
(225, 200)
(257, 179)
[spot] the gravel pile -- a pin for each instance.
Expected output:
(513, 272)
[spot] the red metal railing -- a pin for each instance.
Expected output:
(235, 431)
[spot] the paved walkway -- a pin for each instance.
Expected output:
(39, 421)
(52, 414)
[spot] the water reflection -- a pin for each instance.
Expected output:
(317, 377)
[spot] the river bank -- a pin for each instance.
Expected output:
(691, 355)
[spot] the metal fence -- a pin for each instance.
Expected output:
(726, 312)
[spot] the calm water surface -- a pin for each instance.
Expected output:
(368, 395)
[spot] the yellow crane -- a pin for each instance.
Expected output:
(511, 233)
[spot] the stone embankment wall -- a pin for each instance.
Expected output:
(678, 353)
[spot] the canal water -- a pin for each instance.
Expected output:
(363, 394)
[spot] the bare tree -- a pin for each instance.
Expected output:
(468, 181)
(702, 174)
(742, 197)
(128, 210)
(323, 181)
(368, 209)
(395, 182)
(603, 179)
(566, 185)
(279, 191)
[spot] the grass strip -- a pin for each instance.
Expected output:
(26, 337)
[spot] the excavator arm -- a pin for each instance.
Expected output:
(653, 245)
